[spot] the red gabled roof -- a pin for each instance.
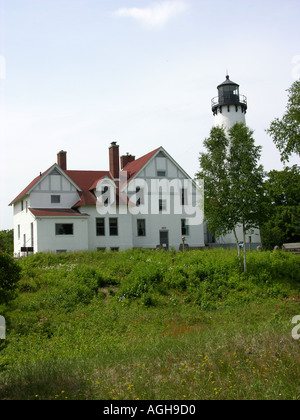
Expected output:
(86, 181)
(56, 212)
(135, 166)
(28, 188)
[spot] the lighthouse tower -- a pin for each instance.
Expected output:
(229, 107)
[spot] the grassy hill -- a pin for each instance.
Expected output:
(147, 324)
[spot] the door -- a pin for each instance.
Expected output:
(164, 238)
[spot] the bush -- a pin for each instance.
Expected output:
(7, 241)
(9, 277)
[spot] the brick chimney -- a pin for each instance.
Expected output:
(125, 159)
(62, 160)
(114, 164)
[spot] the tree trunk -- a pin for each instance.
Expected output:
(237, 244)
(244, 246)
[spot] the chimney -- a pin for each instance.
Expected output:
(126, 159)
(114, 165)
(62, 160)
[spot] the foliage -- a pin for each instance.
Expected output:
(233, 181)
(9, 277)
(214, 172)
(152, 325)
(7, 241)
(283, 193)
(246, 177)
(286, 131)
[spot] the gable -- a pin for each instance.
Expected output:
(162, 165)
(53, 179)
(54, 182)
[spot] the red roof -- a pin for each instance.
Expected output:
(29, 186)
(56, 212)
(135, 166)
(87, 181)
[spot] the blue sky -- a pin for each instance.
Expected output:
(79, 74)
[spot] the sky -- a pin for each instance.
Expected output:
(76, 75)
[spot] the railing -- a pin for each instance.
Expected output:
(229, 100)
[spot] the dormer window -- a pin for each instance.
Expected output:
(105, 195)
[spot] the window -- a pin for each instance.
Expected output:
(139, 196)
(113, 226)
(161, 173)
(185, 229)
(22, 205)
(64, 228)
(19, 231)
(114, 249)
(183, 196)
(55, 199)
(61, 251)
(141, 227)
(162, 205)
(26, 206)
(100, 226)
(101, 249)
(104, 196)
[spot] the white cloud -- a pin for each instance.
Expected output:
(155, 15)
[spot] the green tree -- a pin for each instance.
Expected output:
(246, 180)
(9, 277)
(283, 192)
(286, 131)
(233, 182)
(214, 172)
(7, 241)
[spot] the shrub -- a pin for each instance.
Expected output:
(84, 275)
(9, 277)
(142, 279)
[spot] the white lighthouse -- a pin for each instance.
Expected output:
(229, 107)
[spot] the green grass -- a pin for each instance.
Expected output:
(153, 325)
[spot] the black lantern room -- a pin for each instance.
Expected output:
(228, 94)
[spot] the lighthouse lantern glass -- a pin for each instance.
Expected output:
(229, 94)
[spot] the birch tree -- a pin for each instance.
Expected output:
(233, 182)
(285, 131)
(246, 180)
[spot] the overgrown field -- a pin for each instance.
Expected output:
(156, 325)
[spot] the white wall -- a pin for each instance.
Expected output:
(122, 241)
(228, 119)
(23, 219)
(169, 223)
(50, 242)
(230, 239)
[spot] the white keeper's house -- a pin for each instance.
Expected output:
(148, 202)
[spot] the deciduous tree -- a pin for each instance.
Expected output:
(233, 182)
(286, 131)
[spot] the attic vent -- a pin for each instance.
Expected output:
(160, 154)
(54, 172)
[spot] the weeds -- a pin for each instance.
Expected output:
(147, 324)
